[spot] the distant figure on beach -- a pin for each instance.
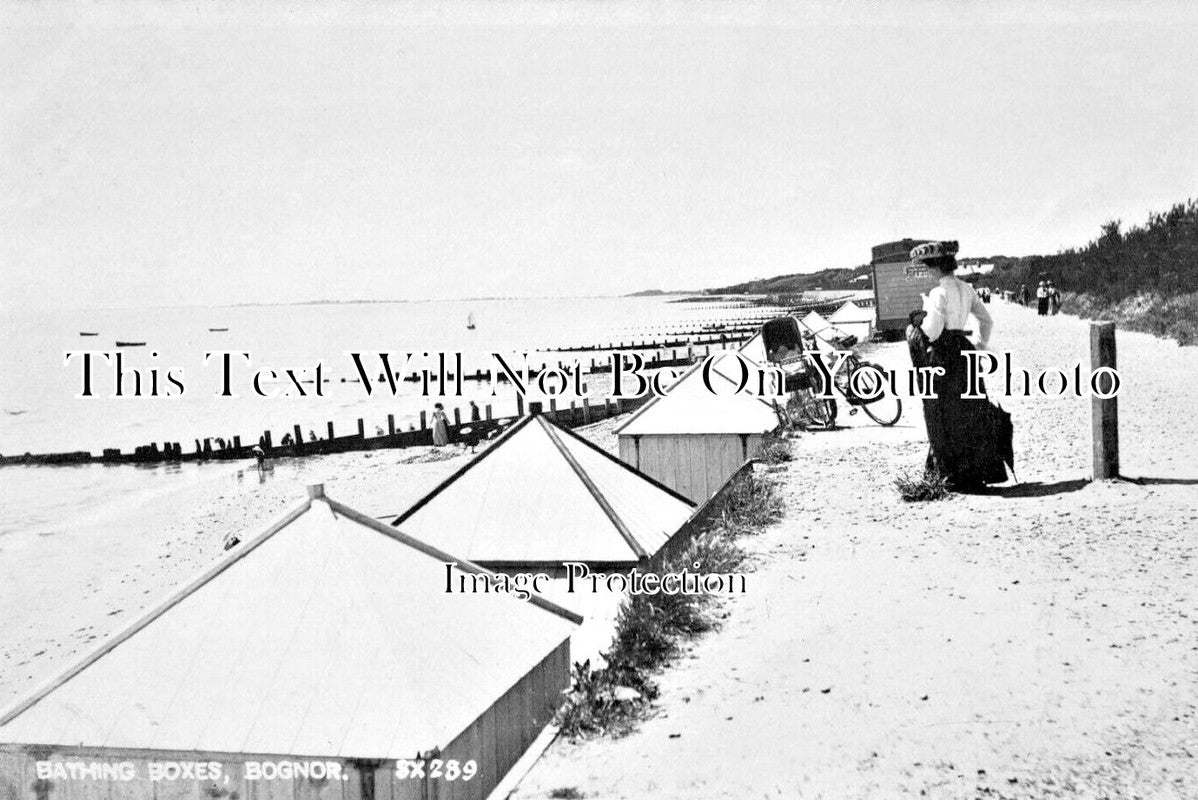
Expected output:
(286, 440)
(970, 440)
(1025, 296)
(311, 435)
(440, 426)
(475, 414)
(259, 455)
(1042, 299)
(378, 430)
(1054, 299)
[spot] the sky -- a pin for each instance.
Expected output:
(169, 154)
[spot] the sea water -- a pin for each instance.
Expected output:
(41, 410)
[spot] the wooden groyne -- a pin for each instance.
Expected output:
(461, 429)
(728, 336)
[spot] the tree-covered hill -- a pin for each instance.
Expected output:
(1145, 277)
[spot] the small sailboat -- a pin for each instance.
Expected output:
(470, 321)
(89, 333)
(119, 343)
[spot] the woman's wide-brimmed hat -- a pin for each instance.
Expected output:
(932, 250)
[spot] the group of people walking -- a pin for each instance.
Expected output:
(1048, 298)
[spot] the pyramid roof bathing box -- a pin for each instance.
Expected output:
(541, 495)
(327, 634)
(691, 408)
(851, 312)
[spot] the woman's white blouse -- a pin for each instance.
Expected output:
(949, 306)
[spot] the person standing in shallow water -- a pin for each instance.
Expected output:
(969, 439)
(440, 426)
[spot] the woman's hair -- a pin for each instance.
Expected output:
(945, 264)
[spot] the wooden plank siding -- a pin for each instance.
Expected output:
(694, 465)
(898, 287)
(499, 737)
(495, 742)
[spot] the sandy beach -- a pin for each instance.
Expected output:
(1038, 641)
(77, 582)
(128, 559)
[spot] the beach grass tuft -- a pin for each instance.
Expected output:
(566, 793)
(927, 486)
(776, 450)
(750, 504)
(651, 628)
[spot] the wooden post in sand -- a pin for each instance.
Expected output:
(1104, 414)
(390, 424)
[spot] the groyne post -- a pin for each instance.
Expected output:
(488, 410)
(423, 420)
(299, 435)
(457, 416)
(361, 428)
(1104, 413)
(390, 424)
(330, 430)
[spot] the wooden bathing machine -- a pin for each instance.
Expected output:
(693, 439)
(542, 495)
(898, 284)
(310, 663)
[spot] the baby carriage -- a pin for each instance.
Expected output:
(793, 348)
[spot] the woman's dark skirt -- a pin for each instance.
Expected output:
(971, 439)
(1042, 306)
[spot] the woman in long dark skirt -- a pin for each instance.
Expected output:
(970, 438)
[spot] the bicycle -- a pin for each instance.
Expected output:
(861, 383)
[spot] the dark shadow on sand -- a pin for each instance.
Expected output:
(1037, 489)
(1163, 481)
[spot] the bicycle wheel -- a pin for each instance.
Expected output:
(887, 408)
(805, 404)
(784, 420)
